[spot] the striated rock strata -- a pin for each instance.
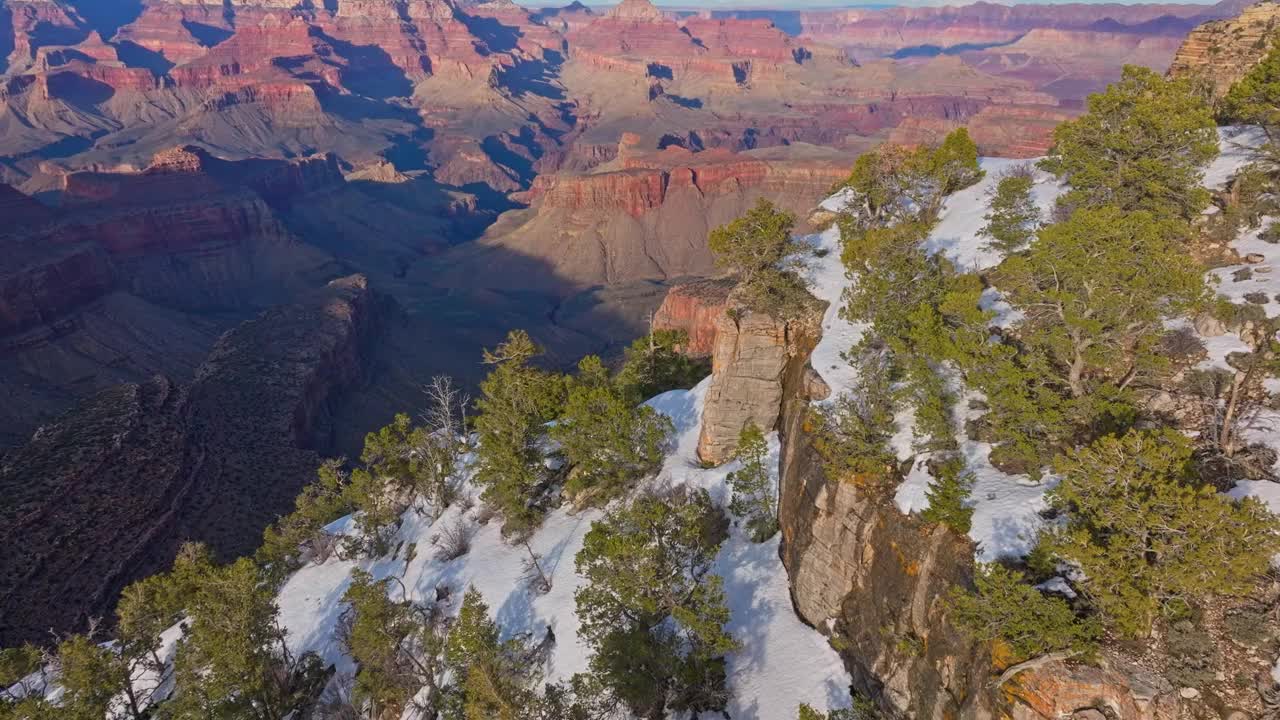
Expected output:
(1222, 51)
(694, 307)
(751, 354)
(104, 495)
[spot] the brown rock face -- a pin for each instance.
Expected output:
(749, 363)
(694, 307)
(1222, 51)
(105, 494)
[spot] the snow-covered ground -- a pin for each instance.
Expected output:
(1007, 508)
(782, 662)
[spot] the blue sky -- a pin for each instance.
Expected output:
(808, 4)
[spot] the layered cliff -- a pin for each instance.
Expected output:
(105, 494)
(1222, 51)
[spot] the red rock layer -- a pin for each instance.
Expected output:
(693, 307)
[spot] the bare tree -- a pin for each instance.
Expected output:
(442, 444)
(534, 575)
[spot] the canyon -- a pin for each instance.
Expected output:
(276, 217)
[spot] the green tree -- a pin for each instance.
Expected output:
(654, 364)
(1013, 217)
(759, 248)
(609, 440)
(1141, 146)
(851, 434)
(321, 502)
(955, 163)
(90, 677)
(1005, 608)
(1096, 291)
(806, 712)
(947, 495)
(1255, 98)
(753, 497)
(516, 402)
(651, 610)
(396, 646)
(493, 679)
(1144, 534)
(233, 662)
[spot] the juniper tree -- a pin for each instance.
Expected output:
(954, 163)
(947, 494)
(516, 401)
(91, 676)
(1144, 534)
(1255, 98)
(1141, 146)
(760, 250)
(1013, 216)
(397, 648)
(320, 503)
(233, 662)
(1004, 608)
(1095, 292)
(609, 440)
(654, 364)
(493, 680)
(651, 610)
(753, 486)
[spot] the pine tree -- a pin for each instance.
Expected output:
(516, 401)
(320, 503)
(651, 610)
(1013, 217)
(609, 440)
(753, 496)
(947, 494)
(955, 163)
(759, 248)
(1144, 534)
(1255, 98)
(654, 364)
(233, 662)
(1142, 146)
(1004, 608)
(493, 680)
(396, 646)
(91, 676)
(1095, 291)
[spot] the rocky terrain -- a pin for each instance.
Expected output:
(171, 170)
(105, 494)
(1223, 51)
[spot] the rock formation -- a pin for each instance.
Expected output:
(105, 494)
(694, 307)
(750, 361)
(1222, 51)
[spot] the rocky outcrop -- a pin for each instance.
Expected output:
(643, 216)
(105, 494)
(749, 363)
(1222, 51)
(694, 307)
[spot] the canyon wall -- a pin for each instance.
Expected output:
(105, 494)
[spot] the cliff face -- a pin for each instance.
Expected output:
(877, 581)
(694, 307)
(750, 358)
(1222, 51)
(104, 495)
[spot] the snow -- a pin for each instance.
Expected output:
(1006, 517)
(781, 663)
(1236, 148)
(827, 280)
(1263, 277)
(964, 213)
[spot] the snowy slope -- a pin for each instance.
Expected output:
(1007, 507)
(782, 662)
